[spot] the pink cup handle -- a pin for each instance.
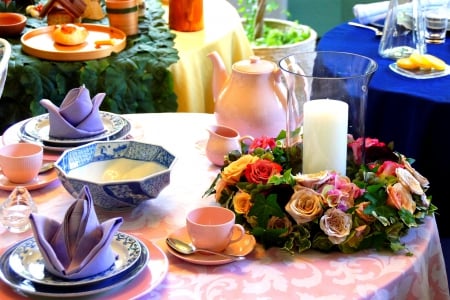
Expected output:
(237, 230)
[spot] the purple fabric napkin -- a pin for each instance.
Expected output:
(80, 246)
(77, 117)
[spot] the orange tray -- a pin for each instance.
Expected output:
(39, 42)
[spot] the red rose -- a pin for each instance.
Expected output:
(261, 170)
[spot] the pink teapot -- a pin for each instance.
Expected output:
(252, 99)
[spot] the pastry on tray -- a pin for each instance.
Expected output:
(69, 34)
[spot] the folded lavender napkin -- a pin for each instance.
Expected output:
(79, 246)
(77, 117)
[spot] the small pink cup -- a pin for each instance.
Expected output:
(213, 228)
(20, 162)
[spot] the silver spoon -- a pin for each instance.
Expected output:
(377, 31)
(186, 248)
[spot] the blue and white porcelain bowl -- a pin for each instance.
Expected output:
(119, 174)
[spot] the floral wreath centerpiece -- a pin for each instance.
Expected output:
(371, 207)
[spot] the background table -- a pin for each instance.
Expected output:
(192, 73)
(412, 113)
(271, 274)
(135, 80)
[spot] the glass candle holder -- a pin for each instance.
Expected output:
(320, 129)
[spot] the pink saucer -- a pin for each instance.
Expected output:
(40, 181)
(242, 247)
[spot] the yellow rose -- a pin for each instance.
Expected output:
(241, 202)
(305, 205)
(400, 197)
(233, 172)
(336, 224)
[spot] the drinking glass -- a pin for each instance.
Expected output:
(436, 21)
(327, 95)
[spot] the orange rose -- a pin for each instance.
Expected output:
(305, 205)
(241, 202)
(233, 172)
(363, 216)
(399, 197)
(336, 224)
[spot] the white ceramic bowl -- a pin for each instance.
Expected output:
(119, 174)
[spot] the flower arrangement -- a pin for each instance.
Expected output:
(372, 206)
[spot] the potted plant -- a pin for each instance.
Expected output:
(273, 39)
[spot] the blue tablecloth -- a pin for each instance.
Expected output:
(414, 114)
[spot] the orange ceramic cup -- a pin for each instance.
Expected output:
(213, 228)
(20, 162)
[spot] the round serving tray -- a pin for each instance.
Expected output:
(39, 42)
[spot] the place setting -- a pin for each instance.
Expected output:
(210, 237)
(70, 259)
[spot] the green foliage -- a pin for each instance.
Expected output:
(272, 36)
(135, 80)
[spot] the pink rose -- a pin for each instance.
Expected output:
(264, 142)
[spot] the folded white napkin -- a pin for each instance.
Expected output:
(370, 12)
(80, 246)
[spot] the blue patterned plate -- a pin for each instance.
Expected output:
(38, 128)
(27, 262)
(25, 286)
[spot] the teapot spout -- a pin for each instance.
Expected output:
(220, 74)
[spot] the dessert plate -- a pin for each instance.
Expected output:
(40, 181)
(39, 128)
(242, 247)
(419, 74)
(27, 262)
(25, 286)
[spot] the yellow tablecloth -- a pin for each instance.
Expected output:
(193, 72)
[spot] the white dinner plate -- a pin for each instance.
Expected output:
(419, 74)
(38, 128)
(27, 262)
(242, 247)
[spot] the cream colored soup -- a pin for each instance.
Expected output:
(114, 170)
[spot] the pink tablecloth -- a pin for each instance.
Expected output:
(268, 274)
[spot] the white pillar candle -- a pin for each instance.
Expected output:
(325, 126)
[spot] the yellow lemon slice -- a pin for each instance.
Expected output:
(421, 61)
(435, 62)
(406, 63)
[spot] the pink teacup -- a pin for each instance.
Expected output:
(20, 162)
(213, 228)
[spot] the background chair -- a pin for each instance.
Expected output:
(5, 54)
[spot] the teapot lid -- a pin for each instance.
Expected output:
(254, 65)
